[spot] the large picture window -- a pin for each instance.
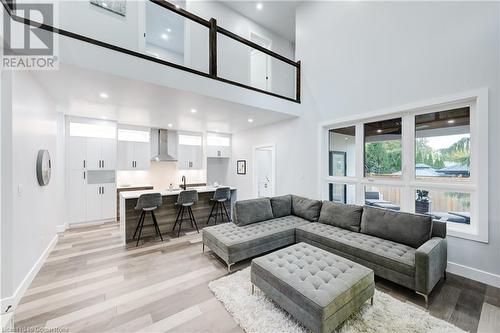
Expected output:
(431, 159)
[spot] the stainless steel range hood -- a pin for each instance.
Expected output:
(163, 145)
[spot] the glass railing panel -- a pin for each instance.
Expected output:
(241, 63)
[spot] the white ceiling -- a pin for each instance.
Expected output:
(277, 16)
(76, 92)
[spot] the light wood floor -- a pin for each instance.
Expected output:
(90, 283)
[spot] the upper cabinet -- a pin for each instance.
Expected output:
(134, 149)
(218, 145)
(101, 154)
(190, 152)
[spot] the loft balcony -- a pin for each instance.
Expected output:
(162, 43)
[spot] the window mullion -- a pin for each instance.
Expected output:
(360, 163)
(408, 162)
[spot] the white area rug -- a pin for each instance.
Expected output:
(256, 314)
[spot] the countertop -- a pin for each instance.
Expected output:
(124, 187)
(135, 194)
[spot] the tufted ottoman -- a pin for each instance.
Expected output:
(318, 288)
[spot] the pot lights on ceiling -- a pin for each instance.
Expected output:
(194, 110)
(164, 36)
(168, 30)
(170, 125)
(451, 121)
(103, 95)
(250, 120)
(379, 131)
(259, 6)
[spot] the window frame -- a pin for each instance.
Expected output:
(476, 185)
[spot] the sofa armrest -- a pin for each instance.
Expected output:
(430, 264)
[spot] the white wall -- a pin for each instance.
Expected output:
(359, 57)
(34, 211)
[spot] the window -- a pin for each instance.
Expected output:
(190, 140)
(387, 197)
(431, 159)
(442, 144)
(342, 145)
(342, 193)
(133, 135)
(218, 140)
(92, 130)
(383, 148)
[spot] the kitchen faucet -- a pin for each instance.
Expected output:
(183, 179)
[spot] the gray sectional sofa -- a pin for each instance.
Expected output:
(408, 249)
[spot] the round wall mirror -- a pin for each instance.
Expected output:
(43, 167)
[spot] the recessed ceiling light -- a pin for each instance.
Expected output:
(177, 6)
(451, 121)
(170, 125)
(164, 36)
(379, 131)
(250, 120)
(169, 30)
(104, 4)
(103, 95)
(104, 117)
(259, 6)
(194, 110)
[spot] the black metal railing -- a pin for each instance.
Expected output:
(213, 31)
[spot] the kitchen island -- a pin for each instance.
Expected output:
(167, 213)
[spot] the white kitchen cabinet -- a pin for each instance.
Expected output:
(189, 157)
(94, 199)
(134, 155)
(77, 156)
(108, 201)
(101, 154)
(77, 182)
(101, 202)
(219, 151)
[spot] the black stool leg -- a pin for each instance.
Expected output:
(216, 209)
(180, 222)
(139, 223)
(210, 216)
(177, 218)
(156, 225)
(225, 209)
(193, 220)
(140, 230)
(221, 213)
(190, 217)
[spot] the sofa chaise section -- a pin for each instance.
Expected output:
(260, 225)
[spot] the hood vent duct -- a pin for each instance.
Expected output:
(164, 145)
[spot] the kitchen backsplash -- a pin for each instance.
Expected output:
(161, 175)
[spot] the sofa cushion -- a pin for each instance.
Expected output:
(252, 211)
(306, 208)
(236, 242)
(391, 255)
(405, 228)
(341, 215)
(282, 206)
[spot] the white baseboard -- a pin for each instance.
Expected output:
(13, 300)
(89, 224)
(474, 274)
(61, 228)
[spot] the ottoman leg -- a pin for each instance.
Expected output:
(229, 268)
(203, 249)
(253, 289)
(371, 301)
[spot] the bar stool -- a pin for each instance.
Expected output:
(221, 195)
(185, 200)
(148, 203)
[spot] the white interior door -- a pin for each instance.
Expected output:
(258, 70)
(264, 171)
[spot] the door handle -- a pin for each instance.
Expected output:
(84, 164)
(84, 175)
(102, 190)
(99, 190)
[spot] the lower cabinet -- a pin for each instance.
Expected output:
(90, 200)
